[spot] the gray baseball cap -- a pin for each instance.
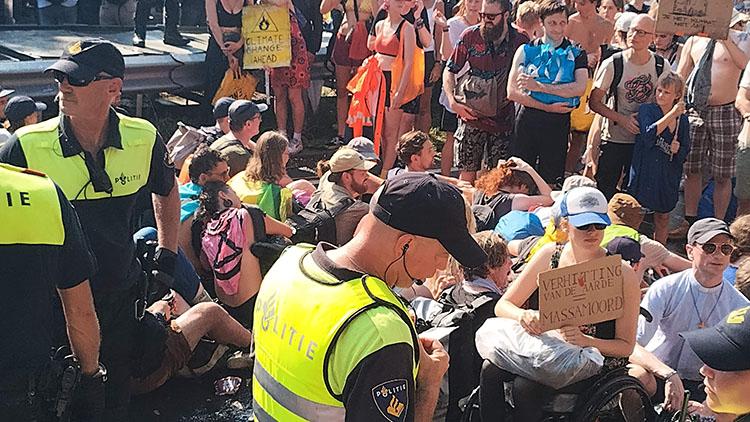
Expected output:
(704, 229)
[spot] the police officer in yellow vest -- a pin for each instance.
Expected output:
(332, 340)
(42, 248)
(104, 162)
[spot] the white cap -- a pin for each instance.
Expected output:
(583, 206)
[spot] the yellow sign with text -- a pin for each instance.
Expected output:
(581, 294)
(267, 35)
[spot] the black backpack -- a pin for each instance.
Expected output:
(619, 63)
(466, 314)
(316, 223)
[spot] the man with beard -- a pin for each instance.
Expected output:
(341, 187)
(543, 121)
(478, 97)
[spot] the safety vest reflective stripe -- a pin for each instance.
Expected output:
(260, 414)
(300, 406)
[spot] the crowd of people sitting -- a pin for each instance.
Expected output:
(578, 150)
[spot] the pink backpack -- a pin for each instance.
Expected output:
(223, 242)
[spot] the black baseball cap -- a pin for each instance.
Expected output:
(419, 204)
(84, 59)
(19, 107)
(705, 229)
(627, 248)
(244, 110)
(221, 107)
(726, 345)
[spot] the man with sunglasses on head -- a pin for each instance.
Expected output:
(692, 300)
(104, 162)
(483, 59)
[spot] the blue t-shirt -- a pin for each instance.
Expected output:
(189, 193)
(654, 173)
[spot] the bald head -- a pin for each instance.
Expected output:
(641, 32)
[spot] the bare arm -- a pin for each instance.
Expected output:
(514, 90)
(742, 102)
(449, 85)
(596, 103)
(569, 90)
(275, 227)
(438, 35)
(686, 64)
(167, 214)
(213, 22)
(82, 325)
(371, 38)
(328, 5)
(676, 263)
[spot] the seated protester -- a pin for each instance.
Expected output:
(262, 182)
(491, 278)
(627, 215)
(724, 350)
(525, 249)
(584, 214)
(572, 181)
(170, 332)
(416, 151)
(208, 166)
(740, 229)
(21, 111)
(225, 248)
(237, 145)
(346, 180)
(508, 187)
(212, 133)
(690, 300)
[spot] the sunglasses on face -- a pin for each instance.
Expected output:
(489, 16)
(710, 248)
(61, 77)
(593, 226)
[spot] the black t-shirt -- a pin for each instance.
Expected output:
(108, 223)
(390, 364)
(501, 204)
(29, 275)
(631, 8)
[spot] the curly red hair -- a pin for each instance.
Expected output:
(504, 176)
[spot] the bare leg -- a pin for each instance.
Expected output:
(661, 227)
(424, 118)
(446, 155)
(343, 74)
(407, 124)
(692, 193)
(281, 109)
(722, 195)
(575, 149)
(298, 109)
(210, 319)
(390, 137)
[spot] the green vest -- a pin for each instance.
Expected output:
(128, 168)
(29, 208)
(618, 230)
(300, 314)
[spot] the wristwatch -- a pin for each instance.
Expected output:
(668, 376)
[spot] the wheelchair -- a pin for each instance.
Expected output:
(610, 396)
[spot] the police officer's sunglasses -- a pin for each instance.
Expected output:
(61, 77)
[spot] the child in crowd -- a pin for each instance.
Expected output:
(659, 152)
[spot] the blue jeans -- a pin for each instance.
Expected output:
(186, 280)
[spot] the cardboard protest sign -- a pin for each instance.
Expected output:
(267, 34)
(709, 18)
(581, 294)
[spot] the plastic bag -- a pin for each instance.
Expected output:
(239, 88)
(546, 359)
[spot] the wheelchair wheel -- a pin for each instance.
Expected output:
(470, 407)
(618, 398)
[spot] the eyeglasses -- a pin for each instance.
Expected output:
(710, 248)
(61, 77)
(593, 226)
(640, 32)
(489, 16)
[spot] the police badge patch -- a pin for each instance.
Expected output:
(392, 399)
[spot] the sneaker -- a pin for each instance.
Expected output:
(295, 146)
(240, 360)
(680, 232)
(139, 41)
(176, 40)
(337, 141)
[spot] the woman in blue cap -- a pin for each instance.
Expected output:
(584, 213)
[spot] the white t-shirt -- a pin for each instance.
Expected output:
(675, 302)
(744, 137)
(4, 136)
(637, 86)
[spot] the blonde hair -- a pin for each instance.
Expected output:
(676, 82)
(527, 13)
